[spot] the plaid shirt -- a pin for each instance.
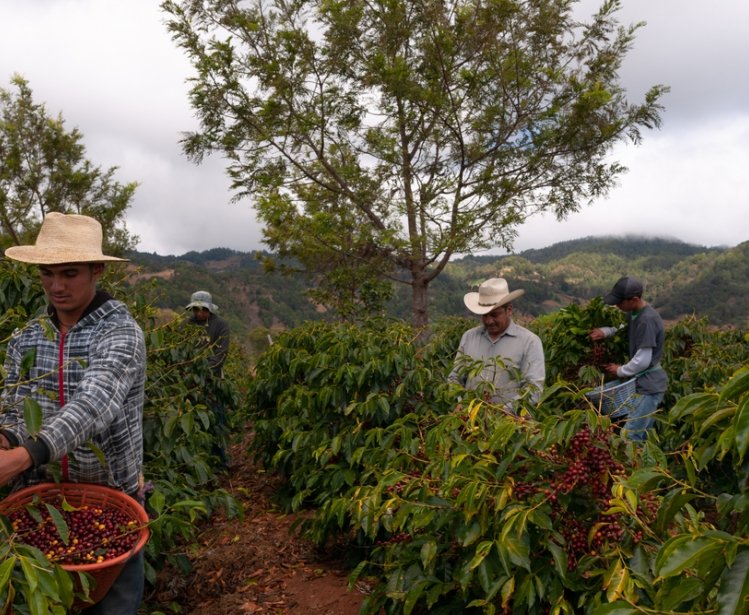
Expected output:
(101, 363)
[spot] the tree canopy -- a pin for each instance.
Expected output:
(43, 168)
(382, 137)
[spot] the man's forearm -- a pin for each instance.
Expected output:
(13, 462)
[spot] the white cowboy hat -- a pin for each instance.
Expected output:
(492, 294)
(64, 238)
(202, 299)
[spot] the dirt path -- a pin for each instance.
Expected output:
(257, 565)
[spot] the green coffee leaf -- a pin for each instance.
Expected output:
(684, 552)
(59, 521)
(733, 594)
(741, 434)
(32, 415)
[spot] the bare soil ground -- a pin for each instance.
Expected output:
(258, 565)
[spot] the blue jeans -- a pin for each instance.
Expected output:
(126, 593)
(641, 415)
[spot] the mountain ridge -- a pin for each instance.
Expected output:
(681, 279)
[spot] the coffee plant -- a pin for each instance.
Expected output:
(698, 357)
(321, 390)
(488, 512)
(181, 440)
(452, 505)
(570, 355)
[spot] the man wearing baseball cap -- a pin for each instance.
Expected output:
(646, 337)
(510, 356)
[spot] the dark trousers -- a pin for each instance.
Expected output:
(126, 593)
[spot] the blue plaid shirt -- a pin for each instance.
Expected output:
(101, 363)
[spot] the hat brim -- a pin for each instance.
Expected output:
(612, 299)
(211, 307)
(35, 255)
(471, 301)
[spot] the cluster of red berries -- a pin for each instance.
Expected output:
(94, 534)
(597, 354)
(648, 506)
(524, 491)
(395, 538)
(579, 492)
(398, 487)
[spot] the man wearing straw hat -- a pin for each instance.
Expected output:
(87, 374)
(510, 358)
(646, 337)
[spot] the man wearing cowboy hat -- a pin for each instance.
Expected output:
(87, 374)
(511, 357)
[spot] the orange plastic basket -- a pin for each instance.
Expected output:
(84, 494)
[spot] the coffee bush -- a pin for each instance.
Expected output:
(452, 505)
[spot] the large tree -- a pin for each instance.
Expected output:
(397, 133)
(43, 168)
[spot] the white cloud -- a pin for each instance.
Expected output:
(691, 186)
(111, 69)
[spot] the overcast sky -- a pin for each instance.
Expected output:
(112, 70)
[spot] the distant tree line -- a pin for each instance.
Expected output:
(680, 280)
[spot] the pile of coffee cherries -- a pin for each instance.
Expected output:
(87, 534)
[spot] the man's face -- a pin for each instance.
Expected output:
(497, 320)
(70, 287)
(627, 305)
(201, 314)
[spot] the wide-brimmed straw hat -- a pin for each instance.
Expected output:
(202, 299)
(64, 238)
(492, 294)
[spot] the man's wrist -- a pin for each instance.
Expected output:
(15, 461)
(24, 459)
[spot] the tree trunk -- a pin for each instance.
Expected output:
(419, 295)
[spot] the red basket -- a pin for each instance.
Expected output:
(85, 494)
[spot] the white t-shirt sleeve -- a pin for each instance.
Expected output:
(637, 364)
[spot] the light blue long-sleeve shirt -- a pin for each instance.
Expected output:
(513, 361)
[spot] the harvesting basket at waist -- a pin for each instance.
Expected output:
(613, 397)
(80, 495)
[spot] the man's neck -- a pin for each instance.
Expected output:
(69, 318)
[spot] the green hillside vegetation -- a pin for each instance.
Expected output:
(414, 483)
(663, 251)
(681, 280)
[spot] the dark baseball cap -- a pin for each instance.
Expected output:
(625, 288)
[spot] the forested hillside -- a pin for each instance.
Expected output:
(681, 279)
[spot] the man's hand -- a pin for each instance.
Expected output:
(597, 335)
(12, 463)
(4, 443)
(611, 368)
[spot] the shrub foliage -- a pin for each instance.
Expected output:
(455, 506)
(446, 503)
